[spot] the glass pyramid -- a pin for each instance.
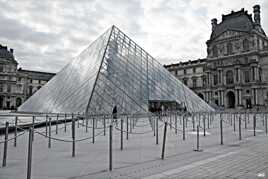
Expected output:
(112, 71)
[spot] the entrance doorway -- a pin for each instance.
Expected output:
(230, 99)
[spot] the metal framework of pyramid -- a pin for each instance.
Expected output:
(113, 70)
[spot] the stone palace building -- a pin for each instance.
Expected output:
(17, 85)
(235, 72)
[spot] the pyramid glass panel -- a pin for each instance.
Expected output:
(113, 71)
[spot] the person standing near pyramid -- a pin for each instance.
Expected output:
(115, 114)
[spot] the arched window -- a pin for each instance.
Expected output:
(229, 77)
(246, 45)
(229, 48)
(215, 51)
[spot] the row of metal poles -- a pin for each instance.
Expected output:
(154, 124)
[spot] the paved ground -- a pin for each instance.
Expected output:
(140, 158)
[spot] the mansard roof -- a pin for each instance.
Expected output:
(235, 21)
(7, 54)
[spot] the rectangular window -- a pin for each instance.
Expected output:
(194, 83)
(215, 79)
(184, 71)
(253, 73)
(246, 75)
(194, 70)
(9, 88)
(236, 74)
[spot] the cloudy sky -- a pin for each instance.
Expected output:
(46, 34)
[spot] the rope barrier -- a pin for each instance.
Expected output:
(12, 138)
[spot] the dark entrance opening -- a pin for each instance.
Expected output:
(230, 99)
(158, 105)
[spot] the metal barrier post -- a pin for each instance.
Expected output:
(121, 131)
(234, 121)
(254, 124)
(49, 134)
(15, 132)
(176, 124)
(221, 128)
(208, 116)
(193, 121)
(30, 149)
(204, 125)
(5, 146)
(93, 131)
(240, 136)
(104, 126)
(183, 127)
(245, 115)
(156, 135)
(33, 126)
(46, 125)
(110, 148)
(164, 141)
(266, 131)
(127, 127)
(73, 137)
(197, 140)
(57, 118)
(65, 123)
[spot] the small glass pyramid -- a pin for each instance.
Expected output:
(113, 71)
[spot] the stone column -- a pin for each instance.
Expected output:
(256, 96)
(240, 96)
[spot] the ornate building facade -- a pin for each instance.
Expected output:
(235, 72)
(17, 85)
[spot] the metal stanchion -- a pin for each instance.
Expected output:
(57, 118)
(176, 124)
(64, 122)
(266, 131)
(5, 146)
(15, 131)
(221, 128)
(127, 128)
(104, 126)
(33, 126)
(49, 133)
(93, 131)
(197, 140)
(234, 121)
(164, 141)
(156, 135)
(121, 131)
(86, 124)
(204, 125)
(30, 149)
(240, 136)
(208, 116)
(183, 127)
(193, 121)
(73, 137)
(110, 148)
(245, 120)
(254, 124)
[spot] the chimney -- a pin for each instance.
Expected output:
(11, 50)
(257, 14)
(214, 23)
